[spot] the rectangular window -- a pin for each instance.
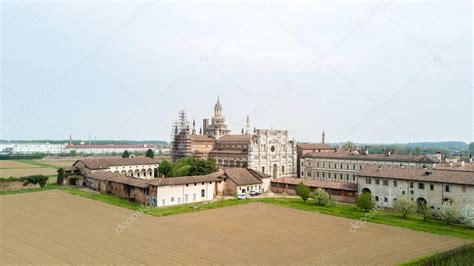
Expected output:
(411, 192)
(463, 188)
(385, 199)
(411, 184)
(385, 182)
(446, 188)
(368, 181)
(203, 193)
(395, 183)
(431, 187)
(194, 197)
(377, 182)
(185, 197)
(421, 186)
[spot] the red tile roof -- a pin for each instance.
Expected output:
(104, 163)
(429, 175)
(314, 146)
(111, 146)
(118, 178)
(317, 183)
(372, 157)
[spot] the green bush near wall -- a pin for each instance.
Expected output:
(463, 255)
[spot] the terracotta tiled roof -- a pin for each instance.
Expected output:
(182, 180)
(456, 166)
(429, 175)
(372, 157)
(228, 151)
(242, 176)
(235, 138)
(118, 178)
(314, 146)
(104, 163)
(317, 183)
(202, 138)
(111, 146)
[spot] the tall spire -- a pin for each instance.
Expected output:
(247, 125)
(194, 127)
(323, 140)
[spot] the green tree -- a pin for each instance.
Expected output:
(405, 206)
(365, 201)
(125, 154)
(321, 197)
(424, 211)
(303, 191)
(60, 180)
(165, 168)
(348, 145)
(448, 213)
(72, 153)
(150, 153)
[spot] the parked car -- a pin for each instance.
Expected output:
(254, 192)
(242, 196)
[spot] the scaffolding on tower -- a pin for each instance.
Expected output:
(181, 138)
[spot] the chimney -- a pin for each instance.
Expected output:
(389, 152)
(462, 163)
(439, 156)
(323, 139)
(366, 150)
(470, 157)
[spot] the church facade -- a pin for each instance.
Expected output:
(269, 151)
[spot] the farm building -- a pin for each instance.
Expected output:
(241, 180)
(339, 191)
(140, 167)
(178, 190)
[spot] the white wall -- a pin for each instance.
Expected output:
(174, 195)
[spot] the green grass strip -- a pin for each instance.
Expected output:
(37, 163)
(162, 211)
(29, 190)
(463, 255)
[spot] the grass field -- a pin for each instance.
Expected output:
(20, 168)
(53, 227)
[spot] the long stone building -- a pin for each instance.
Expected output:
(432, 186)
(268, 151)
(343, 165)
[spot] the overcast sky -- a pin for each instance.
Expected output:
(374, 71)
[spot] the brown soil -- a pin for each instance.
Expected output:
(53, 227)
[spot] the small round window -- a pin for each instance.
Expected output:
(273, 148)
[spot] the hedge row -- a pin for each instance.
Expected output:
(32, 179)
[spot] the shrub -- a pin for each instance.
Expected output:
(35, 179)
(60, 180)
(365, 201)
(165, 168)
(321, 197)
(150, 154)
(303, 191)
(424, 211)
(448, 213)
(125, 154)
(405, 206)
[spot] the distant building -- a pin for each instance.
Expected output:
(33, 148)
(105, 149)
